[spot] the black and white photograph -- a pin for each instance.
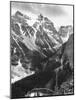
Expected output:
(41, 49)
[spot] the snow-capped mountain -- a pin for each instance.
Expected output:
(33, 42)
(41, 35)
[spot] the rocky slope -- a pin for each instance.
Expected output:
(32, 45)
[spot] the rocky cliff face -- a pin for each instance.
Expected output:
(33, 45)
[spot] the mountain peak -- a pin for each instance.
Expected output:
(18, 13)
(40, 17)
(21, 15)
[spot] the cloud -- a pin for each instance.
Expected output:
(22, 6)
(53, 10)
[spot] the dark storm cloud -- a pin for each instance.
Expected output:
(53, 10)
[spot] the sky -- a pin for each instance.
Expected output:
(60, 15)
